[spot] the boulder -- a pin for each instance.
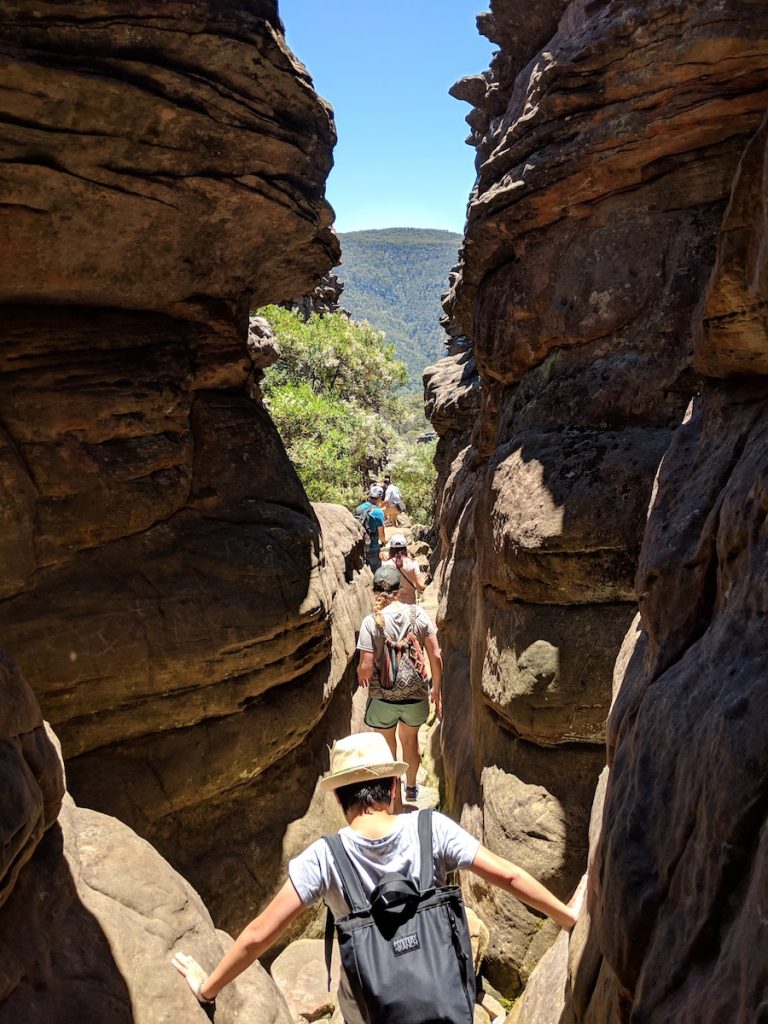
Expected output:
(301, 975)
(100, 911)
(148, 153)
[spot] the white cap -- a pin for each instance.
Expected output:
(375, 491)
(397, 540)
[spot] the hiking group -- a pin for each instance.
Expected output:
(380, 508)
(403, 939)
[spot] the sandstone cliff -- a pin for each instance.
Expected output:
(608, 137)
(100, 912)
(183, 614)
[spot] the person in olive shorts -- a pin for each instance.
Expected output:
(397, 718)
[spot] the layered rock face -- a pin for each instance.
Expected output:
(183, 614)
(99, 910)
(608, 138)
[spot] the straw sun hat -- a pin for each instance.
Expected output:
(363, 757)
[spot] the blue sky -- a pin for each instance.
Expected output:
(386, 67)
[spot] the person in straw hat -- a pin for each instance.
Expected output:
(365, 778)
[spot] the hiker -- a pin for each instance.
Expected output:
(411, 583)
(364, 778)
(370, 515)
(391, 667)
(393, 501)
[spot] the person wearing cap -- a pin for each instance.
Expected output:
(411, 582)
(393, 501)
(364, 778)
(397, 719)
(372, 513)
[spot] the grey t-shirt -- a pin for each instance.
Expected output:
(399, 620)
(314, 875)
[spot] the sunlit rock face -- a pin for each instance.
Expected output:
(608, 138)
(183, 614)
(90, 914)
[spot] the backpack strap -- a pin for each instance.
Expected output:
(427, 879)
(350, 880)
(351, 887)
(406, 576)
(328, 943)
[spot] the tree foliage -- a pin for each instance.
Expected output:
(327, 394)
(343, 359)
(413, 470)
(333, 397)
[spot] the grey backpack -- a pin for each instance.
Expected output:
(406, 953)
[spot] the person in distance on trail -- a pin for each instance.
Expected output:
(393, 501)
(411, 583)
(391, 643)
(364, 778)
(370, 515)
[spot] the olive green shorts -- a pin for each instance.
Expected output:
(385, 714)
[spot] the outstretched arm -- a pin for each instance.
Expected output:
(252, 941)
(509, 876)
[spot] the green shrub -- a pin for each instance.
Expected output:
(413, 471)
(333, 397)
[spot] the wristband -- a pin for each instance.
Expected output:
(197, 990)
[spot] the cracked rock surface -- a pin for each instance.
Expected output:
(611, 271)
(183, 614)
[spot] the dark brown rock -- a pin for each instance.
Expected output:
(139, 139)
(732, 334)
(31, 777)
(608, 138)
(183, 614)
(678, 869)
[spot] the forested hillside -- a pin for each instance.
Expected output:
(394, 278)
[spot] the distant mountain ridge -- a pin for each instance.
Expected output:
(393, 278)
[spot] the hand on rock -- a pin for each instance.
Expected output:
(576, 901)
(191, 969)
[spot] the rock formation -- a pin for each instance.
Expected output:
(90, 914)
(324, 298)
(608, 137)
(183, 614)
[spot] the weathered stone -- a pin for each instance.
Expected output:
(546, 669)
(544, 996)
(678, 873)
(154, 183)
(591, 235)
(562, 513)
(31, 778)
(169, 590)
(101, 913)
(731, 336)
(451, 390)
(300, 974)
(534, 814)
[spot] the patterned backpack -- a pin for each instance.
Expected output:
(401, 669)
